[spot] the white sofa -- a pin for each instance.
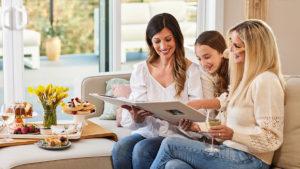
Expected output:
(32, 41)
(96, 153)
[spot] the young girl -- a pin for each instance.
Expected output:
(253, 129)
(209, 48)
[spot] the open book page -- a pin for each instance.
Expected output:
(171, 111)
(114, 100)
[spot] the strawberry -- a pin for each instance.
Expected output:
(31, 129)
(24, 130)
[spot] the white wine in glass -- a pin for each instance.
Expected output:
(7, 118)
(209, 123)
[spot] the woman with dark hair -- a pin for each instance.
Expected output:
(165, 76)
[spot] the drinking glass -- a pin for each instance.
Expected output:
(7, 118)
(209, 123)
(66, 127)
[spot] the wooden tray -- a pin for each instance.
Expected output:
(92, 130)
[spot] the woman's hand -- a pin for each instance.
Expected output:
(138, 115)
(222, 132)
(188, 125)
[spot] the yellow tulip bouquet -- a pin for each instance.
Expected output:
(50, 96)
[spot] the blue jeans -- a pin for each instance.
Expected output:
(135, 152)
(182, 153)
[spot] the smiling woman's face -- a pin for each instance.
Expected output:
(209, 58)
(237, 47)
(164, 43)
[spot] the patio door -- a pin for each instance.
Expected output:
(14, 19)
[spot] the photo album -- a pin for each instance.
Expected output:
(171, 111)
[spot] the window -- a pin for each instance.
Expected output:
(134, 19)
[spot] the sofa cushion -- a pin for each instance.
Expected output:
(121, 132)
(26, 154)
(135, 13)
(288, 156)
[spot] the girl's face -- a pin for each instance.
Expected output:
(209, 58)
(164, 43)
(237, 47)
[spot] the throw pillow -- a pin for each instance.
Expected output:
(121, 91)
(109, 112)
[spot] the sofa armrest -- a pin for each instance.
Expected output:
(97, 84)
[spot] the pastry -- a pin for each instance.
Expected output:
(55, 141)
(21, 110)
(79, 107)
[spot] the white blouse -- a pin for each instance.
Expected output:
(146, 88)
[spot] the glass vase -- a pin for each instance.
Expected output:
(49, 116)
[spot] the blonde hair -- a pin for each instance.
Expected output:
(261, 54)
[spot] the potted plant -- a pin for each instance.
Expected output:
(53, 42)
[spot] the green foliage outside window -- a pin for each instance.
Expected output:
(73, 23)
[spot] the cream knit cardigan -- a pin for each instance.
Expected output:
(258, 122)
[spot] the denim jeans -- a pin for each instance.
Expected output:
(182, 153)
(135, 152)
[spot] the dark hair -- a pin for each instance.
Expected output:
(157, 24)
(215, 40)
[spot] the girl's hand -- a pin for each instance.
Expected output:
(194, 104)
(222, 132)
(138, 115)
(188, 125)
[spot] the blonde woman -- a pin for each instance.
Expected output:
(253, 129)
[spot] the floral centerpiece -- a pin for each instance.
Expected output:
(50, 96)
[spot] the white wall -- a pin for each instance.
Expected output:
(283, 17)
(234, 12)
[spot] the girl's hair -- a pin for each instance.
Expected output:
(261, 54)
(216, 41)
(157, 24)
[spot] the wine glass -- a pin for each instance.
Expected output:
(209, 123)
(7, 118)
(66, 127)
